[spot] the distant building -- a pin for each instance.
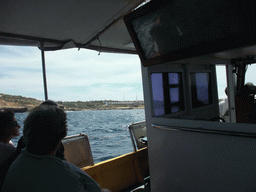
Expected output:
(123, 102)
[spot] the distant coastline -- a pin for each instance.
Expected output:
(24, 104)
(16, 109)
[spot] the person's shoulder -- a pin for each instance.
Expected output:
(73, 167)
(7, 145)
(6, 151)
(6, 148)
(87, 181)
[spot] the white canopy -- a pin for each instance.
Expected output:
(60, 24)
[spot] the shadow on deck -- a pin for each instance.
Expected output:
(142, 188)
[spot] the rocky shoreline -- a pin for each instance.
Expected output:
(24, 104)
(16, 109)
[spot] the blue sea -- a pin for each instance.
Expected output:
(107, 130)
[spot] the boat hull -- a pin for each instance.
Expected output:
(122, 172)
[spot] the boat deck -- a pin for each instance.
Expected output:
(142, 188)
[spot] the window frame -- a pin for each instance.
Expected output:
(210, 88)
(166, 93)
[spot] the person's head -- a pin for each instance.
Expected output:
(50, 103)
(9, 128)
(44, 128)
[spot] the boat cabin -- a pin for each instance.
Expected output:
(180, 43)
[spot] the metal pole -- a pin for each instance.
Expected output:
(44, 72)
(231, 93)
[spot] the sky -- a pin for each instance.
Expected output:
(72, 75)
(221, 78)
(82, 75)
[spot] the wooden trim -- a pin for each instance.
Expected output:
(121, 172)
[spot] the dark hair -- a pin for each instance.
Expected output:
(44, 127)
(50, 102)
(6, 121)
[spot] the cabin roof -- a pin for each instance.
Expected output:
(61, 24)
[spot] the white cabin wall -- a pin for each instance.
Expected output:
(148, 114)
(192, 161)
(211, 111)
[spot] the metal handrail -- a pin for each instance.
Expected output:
(202, 130)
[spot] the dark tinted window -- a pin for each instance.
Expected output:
(181, 24)
(158, 93)
(201, 89)
(167, 93)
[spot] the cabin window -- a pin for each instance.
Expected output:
(167, 93)
(201, 89)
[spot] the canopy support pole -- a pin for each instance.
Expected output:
(231, 93)
(44, 71)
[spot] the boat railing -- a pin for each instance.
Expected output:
(131, 170)
(138, 133)
(78, 150)
(121, 173)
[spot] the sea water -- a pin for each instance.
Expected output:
(107, 130)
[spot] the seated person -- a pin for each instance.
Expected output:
(37, 168)
(9, 129)
(223, 105)
(21, 143)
